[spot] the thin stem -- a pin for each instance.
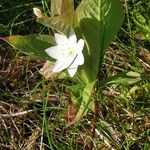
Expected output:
(129, 23)
(93, 132)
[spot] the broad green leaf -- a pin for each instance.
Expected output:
(99, 21)
(76, 93)
(59, 23)
(58, 7)
(86, 103)
(67, 6)
(62, 16)
(31, 44)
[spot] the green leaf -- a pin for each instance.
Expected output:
(99, 21)
(59, 7)
(122, 78)
(141, 21)
(86, 103)
(143, 24)
(56, 7)
(31, 44)
(59, 23)
(62, 16)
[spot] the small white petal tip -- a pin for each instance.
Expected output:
(37, 12)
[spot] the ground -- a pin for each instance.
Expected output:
(33, 110)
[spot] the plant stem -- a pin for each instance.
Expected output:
(94, 120)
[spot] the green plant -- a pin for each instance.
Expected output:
(97, 22)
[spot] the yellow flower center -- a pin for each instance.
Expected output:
(71, 53)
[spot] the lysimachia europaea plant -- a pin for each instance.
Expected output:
(81, 37)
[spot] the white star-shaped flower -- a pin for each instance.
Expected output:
(67, 52)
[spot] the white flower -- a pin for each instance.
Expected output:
(67, 52)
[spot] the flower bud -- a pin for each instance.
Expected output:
(37, 12)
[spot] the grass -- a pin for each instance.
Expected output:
(33, 110)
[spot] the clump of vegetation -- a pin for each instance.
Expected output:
(39, 113)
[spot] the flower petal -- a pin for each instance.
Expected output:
(67, 52)
(54, 52)
(78, 61)
(72, 71)
(74, 66)
(62, 64)
(72, 37)
(80, 45)
(61, 39)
